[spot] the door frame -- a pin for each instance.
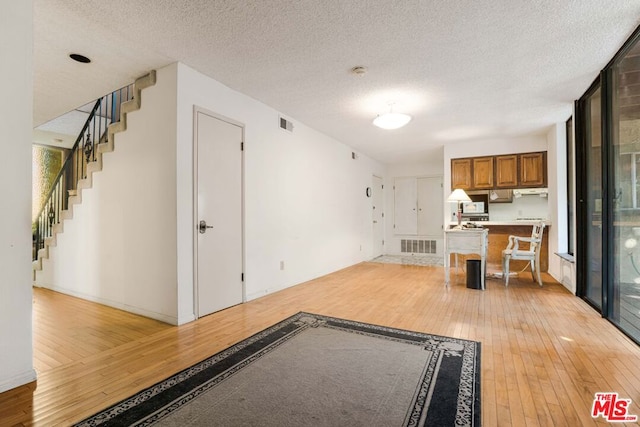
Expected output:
(195, 219)
(583, 241)
(382, 226)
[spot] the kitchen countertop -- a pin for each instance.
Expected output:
(513, 222)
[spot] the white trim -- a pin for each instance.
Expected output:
(265, 292)
(383, 225)
(18, 380)
(194, 211)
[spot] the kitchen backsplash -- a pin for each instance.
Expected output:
(529, 206)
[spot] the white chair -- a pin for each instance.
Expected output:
(531, 254)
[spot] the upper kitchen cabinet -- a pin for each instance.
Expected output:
(524, 170)
(507, 171)
(482, 172)
(533, 169)
(461, 174)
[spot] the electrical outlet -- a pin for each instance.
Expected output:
(281, 265)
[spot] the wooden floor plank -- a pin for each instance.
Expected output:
(544, 351)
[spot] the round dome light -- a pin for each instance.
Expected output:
(391, 120)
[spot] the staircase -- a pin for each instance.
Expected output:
(108, 117)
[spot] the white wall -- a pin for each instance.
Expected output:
(120, 247)
(130, 243)
(431, 168)
(305, 201)
(532, 206)
(562, 271)
(16, 355)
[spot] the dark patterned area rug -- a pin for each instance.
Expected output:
(312, 370)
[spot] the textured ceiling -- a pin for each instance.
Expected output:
(463, 69)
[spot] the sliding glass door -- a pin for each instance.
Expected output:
(608, 191)
(591, 197)
(624, 78)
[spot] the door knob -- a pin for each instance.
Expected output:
(202, 227)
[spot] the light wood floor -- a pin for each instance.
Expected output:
(544, 352)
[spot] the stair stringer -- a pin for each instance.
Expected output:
(96, 166)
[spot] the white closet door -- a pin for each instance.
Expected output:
(405, 202)
(430, 206)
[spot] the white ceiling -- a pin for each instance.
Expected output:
(463, 69)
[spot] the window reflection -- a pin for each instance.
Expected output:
(626, 189)
(593, 291)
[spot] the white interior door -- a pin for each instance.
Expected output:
(378, 216)
(219, 213)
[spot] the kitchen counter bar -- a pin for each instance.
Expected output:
(499, 232)
(512, 222)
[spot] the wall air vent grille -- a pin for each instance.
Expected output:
(418, 246)
(286, 125)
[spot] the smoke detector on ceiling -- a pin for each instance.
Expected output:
(359, 70)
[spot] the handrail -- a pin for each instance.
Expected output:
(105, 111)
(70, 158)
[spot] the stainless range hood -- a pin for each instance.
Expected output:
(542, 192)
(492, 196)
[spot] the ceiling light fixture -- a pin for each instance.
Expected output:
(391, 120)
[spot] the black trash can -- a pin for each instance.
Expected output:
(473, 274)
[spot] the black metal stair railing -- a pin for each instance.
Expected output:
(105, 111)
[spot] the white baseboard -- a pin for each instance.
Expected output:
(18, 380)
(172, 320)
(186, 319)
(264, 292)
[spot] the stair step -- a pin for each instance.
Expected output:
(43, 253)
(129, 106)
(96, 165)
(75, 200)
(85, 183)
(146, 81)
(58, 228)
(66, 214)
(51, 241)
(118, 126)
(107, 147)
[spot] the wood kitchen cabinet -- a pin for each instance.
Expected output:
(483, 172)
(507, 171)
(461, 174)
(495, 172)
(532, 169)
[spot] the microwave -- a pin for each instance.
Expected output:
(473, 208)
